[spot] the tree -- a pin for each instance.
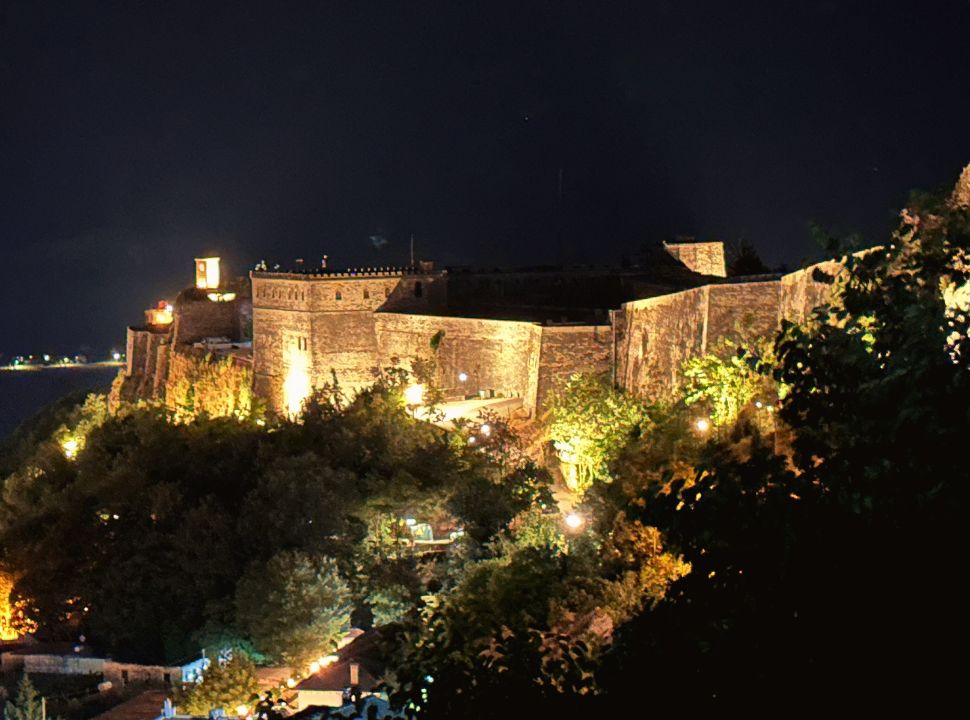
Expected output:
(295, 607)
(743, 259)
(726, 381)
(589, 423)
(225, 685)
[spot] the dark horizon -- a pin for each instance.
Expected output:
(137, 137)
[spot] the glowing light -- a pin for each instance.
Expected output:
(486, 429)
(471, 440)
(207, 273)
(290, 683)
(242, 710)
(116, 356)
(462, 377)
(758, 404)
(410, 522)
(47, 358)
(414, 394)
(161, 314)
(222, 297)
(574, 521)
(314, 666)
(328, 660)
(69, 448)
(702, 425)
(296, 386)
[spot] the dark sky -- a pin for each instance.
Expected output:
(136, 136)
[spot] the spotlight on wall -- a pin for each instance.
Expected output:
(462, 377)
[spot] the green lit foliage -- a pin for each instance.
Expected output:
(28, 706)
(728, 380)
(294, 607)
(529, 624)
(589, 422)
(225, 685)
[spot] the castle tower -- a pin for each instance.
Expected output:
(706, 258)
(207, 273)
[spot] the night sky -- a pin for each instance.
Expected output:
(135, 136)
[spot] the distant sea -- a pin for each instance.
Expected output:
(24, 392)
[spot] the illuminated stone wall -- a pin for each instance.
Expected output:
(804, 290)
(706, 258)
(657, 335)
(498, 357)
(326, 322)
(567, 350)
(197, 317)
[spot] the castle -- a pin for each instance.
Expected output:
(484, 334)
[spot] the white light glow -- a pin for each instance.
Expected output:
(462, 377)
(574, 521)
(69, 447)
(702, 425)
(414, 394)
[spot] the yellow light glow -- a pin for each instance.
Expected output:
(6, 610)
(222, 297)
(414, 394)
(69, 448)
(242, 710)
(328, 660)
(296, 385)
(702, 425)
(207, 273)
(314, 666)
(290, 683)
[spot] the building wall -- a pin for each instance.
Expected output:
(804, 290)
(706, 258)
(62, 664)
(567, 350)
(328, 698)
(657, 335)
(197, 317)
(327, 322)
(497, 355)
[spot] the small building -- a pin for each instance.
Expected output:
(68, 659)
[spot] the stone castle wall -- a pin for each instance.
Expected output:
(497, 356)
(706, 258)
(568, 350)
(657, 335)
(197, 317)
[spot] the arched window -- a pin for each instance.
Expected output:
(418, 289)
(339, 296)
(366, 294)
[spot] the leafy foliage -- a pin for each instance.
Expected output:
(589, 422)
(29, 705)
(726, 381)
(294, 607)
(225, 685)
